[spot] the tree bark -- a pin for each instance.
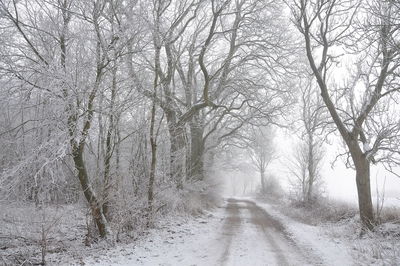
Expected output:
(177, 149)
(95, 206)
(153, 144)
(196, 167)
(109, 146)
(362, 166)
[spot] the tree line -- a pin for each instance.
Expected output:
(123, 100)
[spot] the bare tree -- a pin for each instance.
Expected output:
(198, 79)
(261, 151)
(366, 34)
(71, 80)
(305, 166)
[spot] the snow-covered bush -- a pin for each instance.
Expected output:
(31, 235)
(192, 199)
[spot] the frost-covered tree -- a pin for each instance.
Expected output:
(360, 38)
(305, 165)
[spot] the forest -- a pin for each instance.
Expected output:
(121, 117)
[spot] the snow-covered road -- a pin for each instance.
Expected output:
(251, 235)
(239, 233)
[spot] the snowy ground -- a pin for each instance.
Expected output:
(239, 233)
(24, 227)
(332, 251)
(242, 231)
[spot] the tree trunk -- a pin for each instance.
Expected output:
(95, 206)
(153, 144)
(177, 150)
(309, 191)
(310, 167)
(364, 191)
(196, 170)
(107, 176)
(109, 147)
(262, 175)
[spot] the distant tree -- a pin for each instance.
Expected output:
(305, 166)
(261, 150)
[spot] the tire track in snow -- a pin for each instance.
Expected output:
(266, 226)
(230, 228)
(241, 216)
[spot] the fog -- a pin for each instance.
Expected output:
(338, 180)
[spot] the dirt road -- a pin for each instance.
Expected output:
(250, 234)
(239, 233)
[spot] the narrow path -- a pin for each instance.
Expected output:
(251, 234)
